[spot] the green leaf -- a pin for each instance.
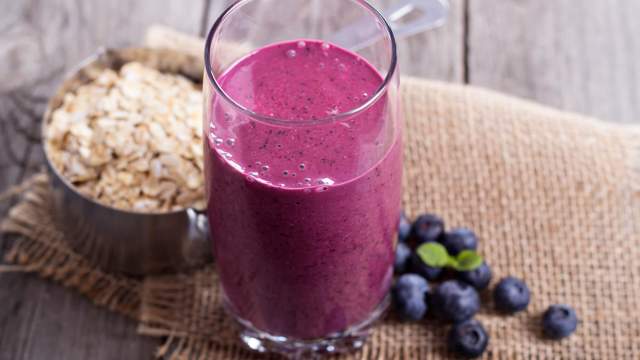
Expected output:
(434, 254)
(467, 260)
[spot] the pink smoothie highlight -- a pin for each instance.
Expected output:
(303, 211)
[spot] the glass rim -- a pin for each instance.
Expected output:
(275, 120)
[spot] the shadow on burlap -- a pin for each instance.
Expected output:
(554, 197)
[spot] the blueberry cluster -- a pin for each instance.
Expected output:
(456, 299)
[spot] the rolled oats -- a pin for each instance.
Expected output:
(132, 140)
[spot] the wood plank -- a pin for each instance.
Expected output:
(437, 54)
(41, 320)
(39, 41)
(577, 55)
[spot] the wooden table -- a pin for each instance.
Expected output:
(577, 55)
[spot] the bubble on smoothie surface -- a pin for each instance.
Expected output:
(307, 180)
(302, 44)
(333, 110)
(302, 166)
(325, 46)
(231, 141)
(265, 167)
(325, 181)
(218, 141)
(291, 53)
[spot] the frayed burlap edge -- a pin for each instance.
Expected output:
(40, 248)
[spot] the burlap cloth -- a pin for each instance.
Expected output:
(554, 197)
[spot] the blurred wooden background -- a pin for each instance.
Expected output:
(578, 55)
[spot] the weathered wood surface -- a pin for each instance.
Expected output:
(39, 42)
(575, 54)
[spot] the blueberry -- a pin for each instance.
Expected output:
(416, 265)
(427, 228)
(479, 277)
(468, 339)
(412, 282)
(403, 255)
(559, 321)
(404, 228)
(511, 295)
(455, 301)
(409, 296)
(459, 239)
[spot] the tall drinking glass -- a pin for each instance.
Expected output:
(303, 164)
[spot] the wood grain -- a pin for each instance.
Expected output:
(573, 54)
(39, 42)
(41, 320)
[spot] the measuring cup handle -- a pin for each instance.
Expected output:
(405, 17)
(199, 223)
(199, 249)
(430, 14)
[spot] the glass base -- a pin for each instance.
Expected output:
(351, 339)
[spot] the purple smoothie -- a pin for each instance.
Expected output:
(303, 210)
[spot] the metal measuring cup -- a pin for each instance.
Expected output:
(118, 240)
